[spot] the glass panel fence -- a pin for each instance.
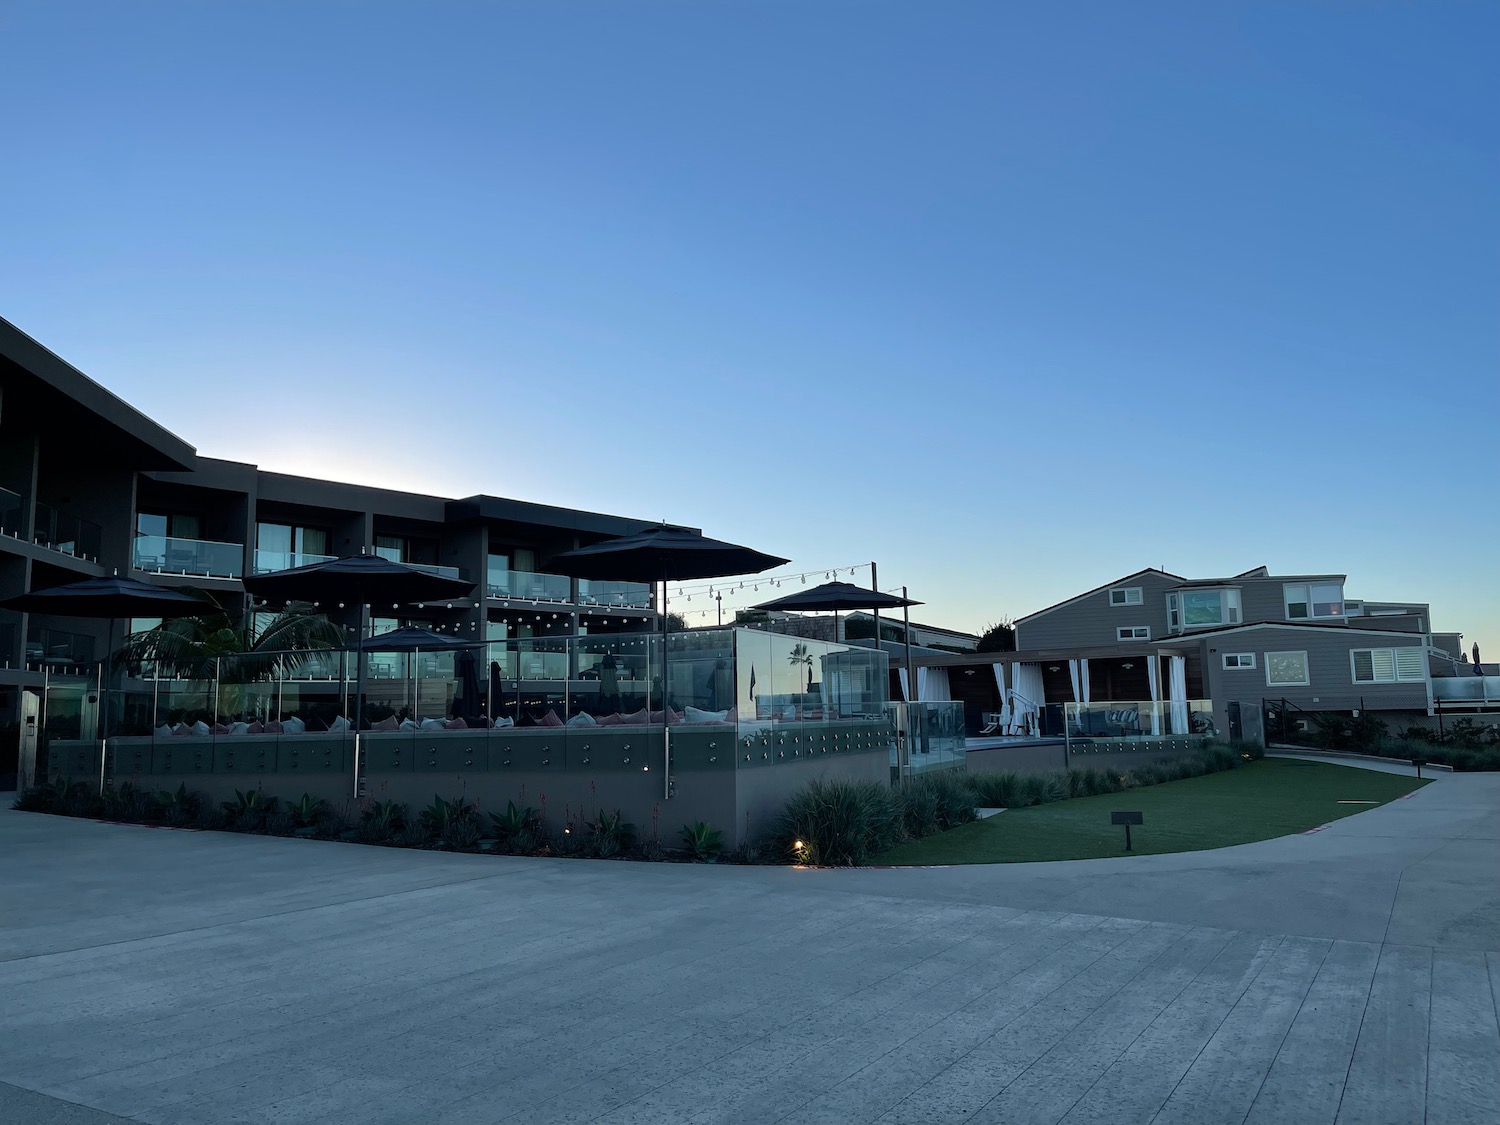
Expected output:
(528, 586)
(166, 554)
(67, 533)
(267, 561)
(632, 595)
(12, 513)
(1138, 719)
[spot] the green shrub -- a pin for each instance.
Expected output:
(413, 834)
(1051, 787)
(1366, 731)
(609, 835)
(702, 841)
(948, 795)
(248, 811)
(281, 823)
(177, 807)
(380, 820)
(1078, 783)
(995, 790)
(1149, 774)
(920, 812)
(308, 811)
(1100, 782)
(840, 823)
(516, 828)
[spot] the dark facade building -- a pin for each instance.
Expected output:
(90, 486)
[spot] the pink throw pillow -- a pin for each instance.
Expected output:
(550, 719)
(609, 720)
(674, 717)
(455, 724)
(218, 728)
(274, 727)
(636, 718)
(256, 727)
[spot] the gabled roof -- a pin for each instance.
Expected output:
(1255, 572)
(1097, 589)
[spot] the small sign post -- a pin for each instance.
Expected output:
(1127, 819)
(1419, 763)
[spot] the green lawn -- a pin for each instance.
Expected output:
(1273, 797)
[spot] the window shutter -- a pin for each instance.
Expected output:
(1364, 666)
(1384, 660)
(1410, 664)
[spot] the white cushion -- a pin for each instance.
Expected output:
(408, 724)
(698, 715)
(432, 724)
(239, 728)
(293, 725)
(200, 727)
(582, 719)
(507, 722)
(340, 724)
(163, 731)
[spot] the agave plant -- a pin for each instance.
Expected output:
(609, 834)
(308, 811)
(381, 820)
(702, 841)
(178, 807)
(248, 811)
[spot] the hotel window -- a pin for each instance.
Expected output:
(1388, 665)
(1125, 595)
(1308, 600)
(1239, 660)
(1133, 633)
(1287, 669)
(1203, 609)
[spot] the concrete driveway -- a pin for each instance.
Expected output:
(1348, 975)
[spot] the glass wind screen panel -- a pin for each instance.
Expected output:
(528, 586)
(149, 523)
(12, 510)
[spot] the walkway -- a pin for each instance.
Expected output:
(1349, 975)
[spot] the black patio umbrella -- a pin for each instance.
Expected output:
(838, 596)
(1478, 667)
(410, 639)
(662, 554)
(113, 598)
(357, 580)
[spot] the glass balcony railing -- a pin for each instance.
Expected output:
(268, 561)
(12, 513)
(630, 595)
(434, 568)
(57, 648)
(1131, 719)
(1466, 689)
(166, 554)
(66, 533)
(526, 586)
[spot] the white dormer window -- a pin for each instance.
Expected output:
(1125, 595)
(1307, 601)
(1202, 608)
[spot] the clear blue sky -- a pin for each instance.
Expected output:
(1014, 298)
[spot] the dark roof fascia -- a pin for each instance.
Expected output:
(1098, 589)
(311, 492)
(504, 510)
(1316, 627)
(169, 450)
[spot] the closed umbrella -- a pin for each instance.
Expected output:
(497, 692)
(609, 683)
(112, 598)
(1478, 667)
(358, 580)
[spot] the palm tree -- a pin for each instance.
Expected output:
(800, 655)
(212, 645)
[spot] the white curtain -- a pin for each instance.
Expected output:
(932, 685)
(1004, 699)
(1177, 683)
(905, 686)
(1083, 679)
(1153, 675)
(1027, 684)
(1073, 675)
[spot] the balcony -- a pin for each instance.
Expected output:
(434, 568)
(268, 561)
(166, 554)
(1478, 691)
(528, 587)
(12, 513)
(57, 649)
(626, 595)
(67, 534)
